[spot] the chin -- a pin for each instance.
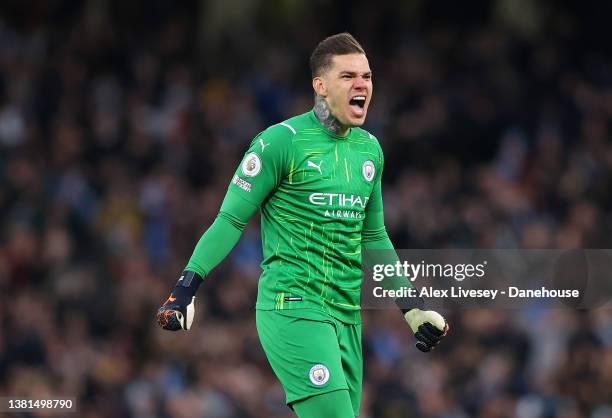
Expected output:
(354, 122)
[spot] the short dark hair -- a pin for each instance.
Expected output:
(340, 44)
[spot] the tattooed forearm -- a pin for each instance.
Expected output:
(323, 113)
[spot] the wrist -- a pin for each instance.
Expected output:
(187, 285)
(407, 304)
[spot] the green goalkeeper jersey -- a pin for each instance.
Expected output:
(315, 190)
(321, 204)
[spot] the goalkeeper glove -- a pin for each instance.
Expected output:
(178, 311)
(429, 328)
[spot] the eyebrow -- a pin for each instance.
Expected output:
(353, 73)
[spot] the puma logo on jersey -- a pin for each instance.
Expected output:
(317, 166)
(263, 146)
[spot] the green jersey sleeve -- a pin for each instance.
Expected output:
(375, 239)
(262, 168)
(219, 239)
(374, 222)
(374, 233)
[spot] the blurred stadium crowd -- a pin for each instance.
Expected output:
(122, 122)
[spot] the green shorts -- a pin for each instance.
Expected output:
(312, 353)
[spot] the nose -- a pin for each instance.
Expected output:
(359, 83)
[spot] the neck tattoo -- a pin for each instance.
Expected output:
(323, 114)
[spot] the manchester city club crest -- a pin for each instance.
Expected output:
(251, 166)
(368, 169)
(319, 374)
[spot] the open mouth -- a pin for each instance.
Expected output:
(358, 101)
(357, 104)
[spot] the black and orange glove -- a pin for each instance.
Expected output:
(179, 309)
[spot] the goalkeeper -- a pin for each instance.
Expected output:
(317, 179)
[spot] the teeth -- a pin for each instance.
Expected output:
(359, 98)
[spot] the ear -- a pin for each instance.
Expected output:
(319, 86)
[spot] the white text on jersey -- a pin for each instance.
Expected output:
(340, 199)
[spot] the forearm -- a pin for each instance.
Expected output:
(219, 239)
(378, 249)
(214, 245)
